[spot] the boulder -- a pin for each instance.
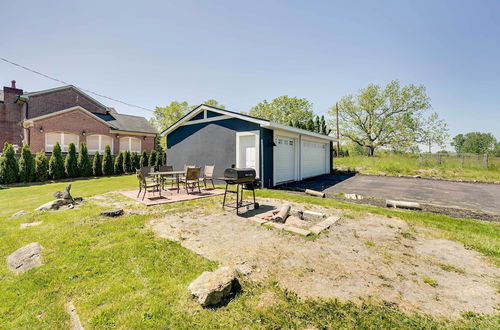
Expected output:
(18, 214)
(25, 258)
(112, 213)
(210, 288)
(52, 205)
(66, 195)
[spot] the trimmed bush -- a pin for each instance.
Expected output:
(107, 162)
(135, 161)
(119, 163)
(56, 163)
(127, 162)
(144, 159)
(41, 167)
(97, 164)
(84, 166)
(159, 159)
(8, 165)
(70, 162)
(26, 165)
(152, 158)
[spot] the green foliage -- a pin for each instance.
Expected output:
(144, 161)
(284, 109)
(9, 168)
(432, 130)
(475, 143)
(97, 164)
(70, 162)
(135, 161)
(107, 162)
(163, 117)
(152, 158)
(26, 165)
(56, 163)
(84, 166)
(214, 103)
(41, 166)
(127, 162)
(118, 168)
(377, 117)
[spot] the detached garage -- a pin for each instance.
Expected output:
(278, 153)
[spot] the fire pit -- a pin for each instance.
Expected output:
(244, 179)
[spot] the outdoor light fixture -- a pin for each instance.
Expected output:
(41, 129)
(144, 138)
(83, 133)
(117, 136)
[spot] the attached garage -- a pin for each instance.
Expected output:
(278, 153)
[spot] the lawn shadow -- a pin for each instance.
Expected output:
(318, 183)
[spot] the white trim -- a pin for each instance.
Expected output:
(129, 144)
(298, 131)
(101, 146)
(29, 122)
(257, 149)
(64, 147)
(205, 120)
(117, 131)
(296, 153)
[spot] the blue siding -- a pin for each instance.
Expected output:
(197, 117)
(267, 140)
(211, 114)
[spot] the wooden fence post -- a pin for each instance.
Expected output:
(462, 161)
(485, 160)
(439, 159)
(419, 159)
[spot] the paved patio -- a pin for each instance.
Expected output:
(170, 195)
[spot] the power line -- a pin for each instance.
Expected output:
(66, 83)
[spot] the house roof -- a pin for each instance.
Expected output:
(26, 96)
(262, 122)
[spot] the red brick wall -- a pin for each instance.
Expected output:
(10, 118)
(59, 100)
(76, 122)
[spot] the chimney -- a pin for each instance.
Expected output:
(13, 84)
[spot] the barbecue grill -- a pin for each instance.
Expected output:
(244, 179)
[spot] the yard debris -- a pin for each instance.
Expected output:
(19, 213)
(403, 205)
(63, 198)
(295, 230)
(76, 324)
(315, 193)
(296, 222)
(112, 213)
(244, 269)
(353, 196)
(306, 215)
(30, 224)
(25, 258)
(210, 288)
(323, 225)
(282, 213)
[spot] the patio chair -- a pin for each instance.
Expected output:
(192, 178)
(143, 184)
(183, 176)
(147, 172)
(208, 175)
(167, 178)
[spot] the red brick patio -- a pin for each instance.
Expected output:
(171, 196)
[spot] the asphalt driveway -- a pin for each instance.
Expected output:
(472, 196)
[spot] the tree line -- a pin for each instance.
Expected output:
(74, 164)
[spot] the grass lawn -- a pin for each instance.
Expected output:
(450, 167)
(119, 275)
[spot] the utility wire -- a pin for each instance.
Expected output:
(66, 83)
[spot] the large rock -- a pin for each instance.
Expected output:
(210, 288)
(112, 213)
(19, 214)
(25, 258)
(52, 205)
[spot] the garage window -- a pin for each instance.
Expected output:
(64, 140)
(98, 143)
(130, 144)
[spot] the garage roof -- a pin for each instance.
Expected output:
(262, 122)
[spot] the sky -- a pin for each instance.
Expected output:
(151, 53)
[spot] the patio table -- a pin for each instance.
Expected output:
(169, 173)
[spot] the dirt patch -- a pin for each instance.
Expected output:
(366, 257)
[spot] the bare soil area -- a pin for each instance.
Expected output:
(362, 257)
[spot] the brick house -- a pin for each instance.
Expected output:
(66, 114)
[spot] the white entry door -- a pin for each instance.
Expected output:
(247, 154)
(284, 159)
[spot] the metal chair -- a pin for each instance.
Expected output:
(167, 178)
(143, 184)
(208, 175)
(192, 178)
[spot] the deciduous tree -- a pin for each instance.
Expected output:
(284, 109)
(164, 117)
(432, 130)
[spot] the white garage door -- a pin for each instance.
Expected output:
(284, 159)
(314, 158)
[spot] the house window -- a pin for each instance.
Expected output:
(98, 143)
(130, 144)
(64, 140)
